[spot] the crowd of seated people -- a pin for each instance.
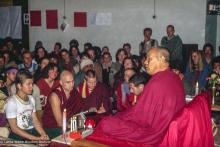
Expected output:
(80, 79)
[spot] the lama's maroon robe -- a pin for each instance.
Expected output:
(195, 117)
(100, 95)
(148, 121)
(73, 105)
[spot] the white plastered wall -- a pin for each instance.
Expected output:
(129, 17)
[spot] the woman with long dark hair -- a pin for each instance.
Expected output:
(48, 82)
(197, 70)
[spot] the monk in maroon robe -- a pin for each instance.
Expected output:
(162, 98)
(71, 104)
(63, 97)
(94, 94)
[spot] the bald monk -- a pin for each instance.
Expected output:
(162, 98)
(63, 97)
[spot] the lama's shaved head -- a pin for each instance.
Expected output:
(67, 80)
(64, 74)
(157, 59)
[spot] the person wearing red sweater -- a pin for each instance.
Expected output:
(48, 82)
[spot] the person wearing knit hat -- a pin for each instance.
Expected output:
(85, 64)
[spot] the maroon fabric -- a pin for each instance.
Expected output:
(45, 89)
(191, 127)
(3, 120)
(148, 121)
(100, 137)
(80, 19)
(73, 105)
(98, 96)
(52, 19)
(35, 18)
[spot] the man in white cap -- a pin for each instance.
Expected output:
(85, 65)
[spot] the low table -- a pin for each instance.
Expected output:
(215, 108)
(66, 141)
(86, 143)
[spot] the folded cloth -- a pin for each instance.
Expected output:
(4, 132)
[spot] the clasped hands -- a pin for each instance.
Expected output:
(99, 111)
